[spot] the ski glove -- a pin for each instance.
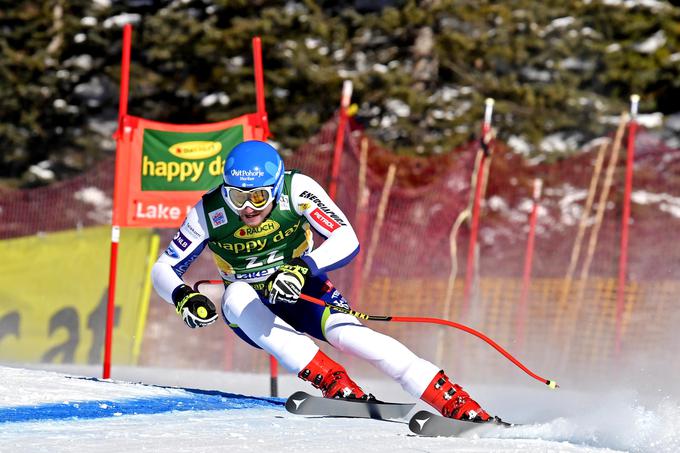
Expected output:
(285, 285)
(196, 309)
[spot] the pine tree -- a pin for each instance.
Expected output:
(421, 70)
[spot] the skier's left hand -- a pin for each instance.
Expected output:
(285, 285)
(195, 309)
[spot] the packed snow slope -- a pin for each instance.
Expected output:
(47, 411)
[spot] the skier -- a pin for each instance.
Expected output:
(258, 226)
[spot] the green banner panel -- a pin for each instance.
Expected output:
(186, 160)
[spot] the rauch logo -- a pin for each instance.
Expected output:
(246, 232)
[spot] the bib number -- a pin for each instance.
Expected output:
(272, 258)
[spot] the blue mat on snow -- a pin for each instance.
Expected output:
(197, 400)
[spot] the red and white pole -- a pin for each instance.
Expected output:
(264, 124)
(625, 220)
(347, 88)
(115, 228)
(520, 322)
(259, 87)
(470, 270)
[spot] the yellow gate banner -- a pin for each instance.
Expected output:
(53, 296)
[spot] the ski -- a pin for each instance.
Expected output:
(427, 424)
(302, 403)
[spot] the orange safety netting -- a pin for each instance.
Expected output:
(413, 259)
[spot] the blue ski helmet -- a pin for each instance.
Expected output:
(252, 164)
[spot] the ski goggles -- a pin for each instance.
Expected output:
(258, 198)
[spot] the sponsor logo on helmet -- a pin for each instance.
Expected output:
(218, 217)
(248, 175)
(264, 229)
(195, 150)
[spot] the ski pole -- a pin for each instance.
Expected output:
(550, 383)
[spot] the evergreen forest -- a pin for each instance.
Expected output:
(421, 71)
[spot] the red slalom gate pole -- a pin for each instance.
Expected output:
(340, 138)
(115, 228)
(273, 364)
(259, 86)
(469, 272)
(528, 260)
(111, 304)
(625, 220)
(264, 122)
(273, 376)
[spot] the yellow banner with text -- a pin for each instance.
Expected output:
(54, 292)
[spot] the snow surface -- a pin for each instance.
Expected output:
(141, 410)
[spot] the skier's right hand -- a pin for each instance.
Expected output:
(196, 309)
(285, 285)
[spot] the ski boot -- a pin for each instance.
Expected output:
(452, 401)
(331, 378)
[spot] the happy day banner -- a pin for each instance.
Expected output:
(163, 169)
